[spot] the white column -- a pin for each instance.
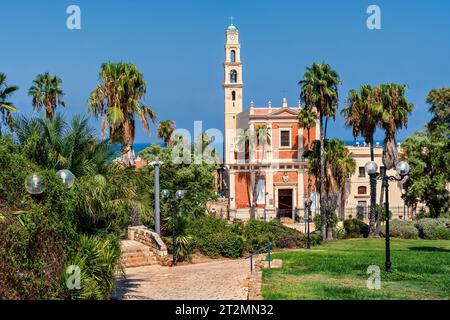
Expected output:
(232, 190)
(269, 188)
(301, 188)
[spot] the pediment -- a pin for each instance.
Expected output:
(283, 113)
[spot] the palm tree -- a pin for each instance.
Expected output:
(319, 87)
(394, 116)
(54, 144)
(307, 118)
(117, 99)
(363, 114)
(6, 107)
(248, 141)
(346, 167)
(339, 166)
(46, 93)
(165, 130)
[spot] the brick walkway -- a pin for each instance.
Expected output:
(222, 279)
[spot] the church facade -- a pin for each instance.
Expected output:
(270, 176)
(268, 179)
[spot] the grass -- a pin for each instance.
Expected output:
(337, 270)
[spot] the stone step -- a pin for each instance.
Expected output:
(135, 254)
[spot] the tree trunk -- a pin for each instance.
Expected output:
(323, 214)
(342, 202)
(127, 142)
(372, 230)
(389, 153)
(380, 212)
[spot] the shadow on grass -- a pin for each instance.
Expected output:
(429, 249)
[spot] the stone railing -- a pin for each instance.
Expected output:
(150, 238)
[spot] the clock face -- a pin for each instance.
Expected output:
(231, 37)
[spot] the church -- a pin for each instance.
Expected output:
(267, 180)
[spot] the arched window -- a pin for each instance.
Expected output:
(233, 56)
(362, 190)
(233, 76)
(233, 95)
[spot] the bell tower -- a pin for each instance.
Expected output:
(232, 86)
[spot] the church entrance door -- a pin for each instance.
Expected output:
(285, 203)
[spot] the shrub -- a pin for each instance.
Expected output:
(318, 220)
(441, 233)
(259, 234)
(97, 258)
(31, 257)
(401, 229)
(427, 227)
(215, 237)
(315, 238)
(355, 228)
(231, 244)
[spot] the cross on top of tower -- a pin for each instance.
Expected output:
(232, 26)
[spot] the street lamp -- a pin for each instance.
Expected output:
(402, 169)
(178, 196)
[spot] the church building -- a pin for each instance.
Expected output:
(269, 176)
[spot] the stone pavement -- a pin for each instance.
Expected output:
(220, 279)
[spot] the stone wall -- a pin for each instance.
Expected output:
(150, 238)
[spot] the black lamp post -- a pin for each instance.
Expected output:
(308, 204)
(402, 169)
(178, 196)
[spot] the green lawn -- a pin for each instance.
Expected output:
(337, 270)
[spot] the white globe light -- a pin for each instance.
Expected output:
(165, 193)
(66, 177)
(34, 184)
(371, 167)
(180, 194)
(402, 168)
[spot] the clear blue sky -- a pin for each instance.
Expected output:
(178, 46)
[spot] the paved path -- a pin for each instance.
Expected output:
(222, 279)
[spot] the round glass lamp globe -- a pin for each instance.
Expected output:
(34, 184)
(165, 193)
(180, 194)
(66, 177)
(402, 168)
(371, 167)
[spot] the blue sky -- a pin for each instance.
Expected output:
(178, 46)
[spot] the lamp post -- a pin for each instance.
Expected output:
(402, 169)
(178, 196)
(156, 163)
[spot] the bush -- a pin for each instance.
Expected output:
(427, 228)
(40, 237)
(441, 233)
(315, 238)
(318, 220)
(97, 258)
(259, 234)
(215, 237)
(355, 228)
(401, 229)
